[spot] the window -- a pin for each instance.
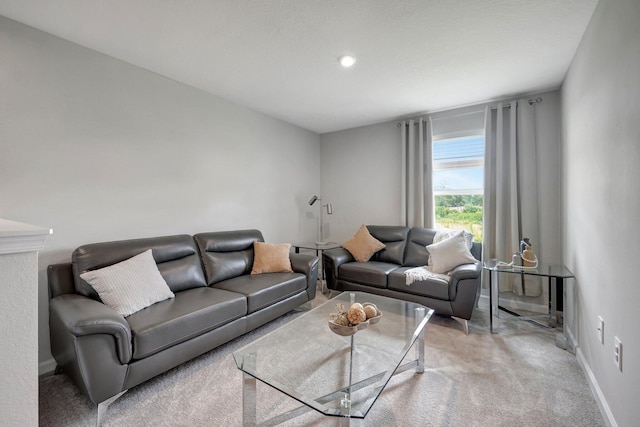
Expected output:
(458, 181)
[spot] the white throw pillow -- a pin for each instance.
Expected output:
(130, 285)
(450, 253)
(445, 233)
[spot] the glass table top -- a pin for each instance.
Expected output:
(317, 246)
(546, 270)
(307, 361)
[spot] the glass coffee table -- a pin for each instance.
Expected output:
(340, 376)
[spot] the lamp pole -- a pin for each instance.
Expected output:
(321, 241)
(314, 199)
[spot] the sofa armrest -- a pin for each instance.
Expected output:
(81, 316)
(332, 259)
(466, 272)
(307, 265)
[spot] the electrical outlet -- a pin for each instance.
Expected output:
(617, 352)
(600, 330)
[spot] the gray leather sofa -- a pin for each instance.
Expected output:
(216, 300)
(384, 275)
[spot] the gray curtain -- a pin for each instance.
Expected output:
(417, 203)
(510, 210)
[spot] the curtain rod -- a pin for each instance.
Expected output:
(530, 101)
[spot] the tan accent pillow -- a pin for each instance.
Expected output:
(363, 245)
(271, 258)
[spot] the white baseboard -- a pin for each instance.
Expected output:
(595, 389)
(46, 367)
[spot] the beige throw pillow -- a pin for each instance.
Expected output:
(450, 253)
(363, 245)
(130, 285)
(271, 258)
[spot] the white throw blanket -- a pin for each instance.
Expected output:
(417, 274)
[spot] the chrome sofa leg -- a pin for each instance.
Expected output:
(102, 407)
(464, 322)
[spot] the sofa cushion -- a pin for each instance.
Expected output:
(227, 254)
(395, 240)
(263, 290)
(190, 314)
(432, 287)
(129, 285)
(177, 259)
(271, 258)
(371, 273)
(450, 253)
(417, 241)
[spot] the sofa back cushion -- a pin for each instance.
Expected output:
(394, 238)
(227, 254)
(417, 242)
(476, 250)
(177, 259)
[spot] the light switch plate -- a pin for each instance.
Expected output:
(600, 329)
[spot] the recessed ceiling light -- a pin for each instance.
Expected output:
(347, 61)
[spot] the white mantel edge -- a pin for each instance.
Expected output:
(17, 237)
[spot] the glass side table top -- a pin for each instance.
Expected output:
(307, 361)
(316, 246)
(546, 270)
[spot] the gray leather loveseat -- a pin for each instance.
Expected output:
(384, 274)
(216, 299)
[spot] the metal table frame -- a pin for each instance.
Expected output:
(318, 248)
(553, 272)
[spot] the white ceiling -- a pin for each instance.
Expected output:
(279, 57)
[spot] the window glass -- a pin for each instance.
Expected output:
(458, 180)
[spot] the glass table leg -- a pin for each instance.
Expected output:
(553, 290)
(420, 314)
(344, 422)
(249, 393)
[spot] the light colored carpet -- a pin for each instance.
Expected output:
(515, 378)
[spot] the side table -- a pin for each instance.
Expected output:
(553, 272)
(318, 248)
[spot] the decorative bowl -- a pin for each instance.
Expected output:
(346, 331)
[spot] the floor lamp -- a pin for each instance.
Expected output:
(314, 199)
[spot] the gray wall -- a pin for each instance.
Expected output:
(601, 154)
(100, 150)
(360, 177)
